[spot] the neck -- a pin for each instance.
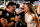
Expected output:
(25, 11)
(29, 13)
(9, 10)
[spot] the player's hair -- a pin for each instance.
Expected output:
(11, 4)
(17, 6)
(30, 6)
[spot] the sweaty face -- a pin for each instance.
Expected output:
(12, 8)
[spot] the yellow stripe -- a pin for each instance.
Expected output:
(11, 18)
(4, 3)
(0, 12)
(1, 8)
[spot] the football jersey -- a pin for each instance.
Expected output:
(7, 15)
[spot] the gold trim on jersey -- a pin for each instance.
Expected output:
(11, 18)
(0, 12)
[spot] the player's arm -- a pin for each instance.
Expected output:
(36, 20)
(10, 24)
(16, 20)
(3, 21)
(18, 12)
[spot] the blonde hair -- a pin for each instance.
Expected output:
(30, 6)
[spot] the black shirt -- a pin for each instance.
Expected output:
(22, 18)
(7, 15)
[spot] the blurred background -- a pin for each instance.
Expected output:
(3, 3)
(35, 2)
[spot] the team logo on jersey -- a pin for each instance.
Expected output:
(7, 14)
(0, 12)
(11, 18)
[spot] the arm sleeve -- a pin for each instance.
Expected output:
(3, 14)
(0, 14)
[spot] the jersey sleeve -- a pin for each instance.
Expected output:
(0, 14)
(3, 13)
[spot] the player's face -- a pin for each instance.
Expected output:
(12, 8)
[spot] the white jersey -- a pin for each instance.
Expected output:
(29, 20)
